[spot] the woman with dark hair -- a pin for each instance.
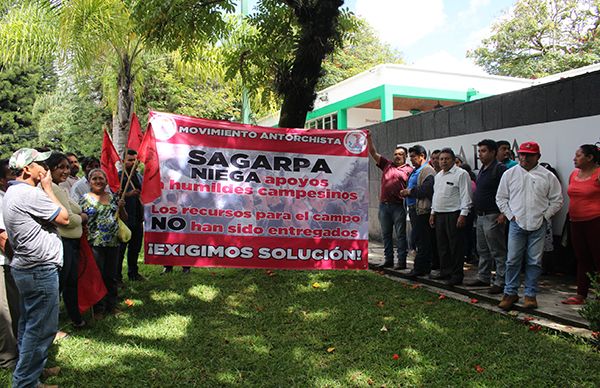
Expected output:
(70, 235)
(584, 212)
(102, 208)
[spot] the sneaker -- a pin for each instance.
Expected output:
(400, 267)
(186, 270)
(79, 325)
(495, 289)
(530, 302)
(60, 335)
(507, 301)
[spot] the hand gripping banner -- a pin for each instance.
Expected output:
(238, 195)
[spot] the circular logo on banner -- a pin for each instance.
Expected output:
(164, 127)
(355, 142)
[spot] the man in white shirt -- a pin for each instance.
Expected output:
(449, 210)
(528, 195)
(82, 186)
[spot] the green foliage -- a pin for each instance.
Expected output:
(591, 309)
(19, 88)
(71, 118)
(542, 37)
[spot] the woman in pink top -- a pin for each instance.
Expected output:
(584, 211)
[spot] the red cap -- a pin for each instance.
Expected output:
(529, 147)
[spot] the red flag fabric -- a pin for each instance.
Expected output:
(135, 134)
(108, 160)
(90, 286)
(149, 156)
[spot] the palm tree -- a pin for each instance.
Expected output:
(110, 34)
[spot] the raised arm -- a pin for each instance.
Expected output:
(372, 151)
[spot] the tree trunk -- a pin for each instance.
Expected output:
(319, 23)
(122, 117)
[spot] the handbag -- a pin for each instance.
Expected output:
(124, 233)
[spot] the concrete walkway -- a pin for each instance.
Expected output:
(550, 313)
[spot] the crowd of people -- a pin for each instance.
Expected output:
(509, 204)
(45, 209)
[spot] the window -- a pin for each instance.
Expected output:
(325, 122)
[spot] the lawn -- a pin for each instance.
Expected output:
(234, 327)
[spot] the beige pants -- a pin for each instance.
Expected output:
(9, 318)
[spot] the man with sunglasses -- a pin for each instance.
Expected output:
(30, 215)
(392, 210)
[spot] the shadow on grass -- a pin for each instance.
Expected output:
(233, 327)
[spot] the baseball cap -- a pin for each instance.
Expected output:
(529, 147)
(25, 156)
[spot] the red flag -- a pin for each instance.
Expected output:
(108, 160)
(151, 187)
(135, 134)
(90, 286)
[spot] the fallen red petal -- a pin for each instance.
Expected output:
(596, 334)
(442, 296)
(479, 368)
(535, 328)
(528, 319)
(395, 356)
(473, 300)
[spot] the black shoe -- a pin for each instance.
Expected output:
(136, 278)
(453, 282)
(476, 283)
(439, 277)
(385, 265)
(186, 270)
(400, 267)
(413, 274)
(167, 270)
(495, 289)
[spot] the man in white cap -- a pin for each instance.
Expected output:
(528, 195)
(30, 215)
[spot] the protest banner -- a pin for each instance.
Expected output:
(236, 195)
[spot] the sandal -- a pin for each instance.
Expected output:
(573, 300)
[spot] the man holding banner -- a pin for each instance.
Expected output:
(135, 217)
(392, 210)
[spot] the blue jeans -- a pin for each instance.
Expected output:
(531, 243)
(392, 217)
(38, 323)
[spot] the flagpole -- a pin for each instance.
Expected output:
(129, 179)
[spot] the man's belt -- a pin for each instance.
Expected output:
(486, 212)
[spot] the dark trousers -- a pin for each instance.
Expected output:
(67, 278)
(392, 218)
(106, 260)
(9, 319)
(133, 248)
(450, 240)
(422, 241)
(584, 236)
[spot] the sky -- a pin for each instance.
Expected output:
(431, 33)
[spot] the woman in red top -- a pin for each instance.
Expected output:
(584, 211)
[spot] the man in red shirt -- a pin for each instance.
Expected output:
(392, 210)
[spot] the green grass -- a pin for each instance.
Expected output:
(233, 327)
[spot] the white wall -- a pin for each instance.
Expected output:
(361, 117)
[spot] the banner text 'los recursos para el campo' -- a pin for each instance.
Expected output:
(237, 195)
